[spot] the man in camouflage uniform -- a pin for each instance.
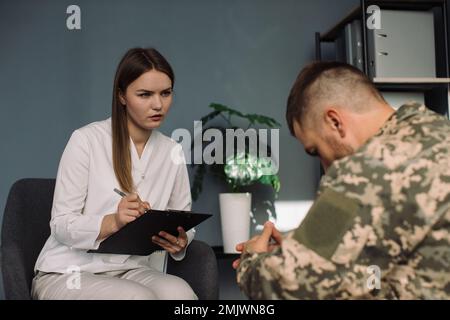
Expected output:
(380, 225)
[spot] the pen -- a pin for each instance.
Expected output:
(123, 194)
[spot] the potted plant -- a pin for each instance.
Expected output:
(239, 166)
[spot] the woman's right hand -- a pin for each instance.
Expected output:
(129, 209)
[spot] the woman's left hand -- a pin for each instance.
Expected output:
(171, 243)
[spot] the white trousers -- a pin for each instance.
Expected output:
(143, 283)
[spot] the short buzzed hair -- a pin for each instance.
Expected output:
(333, 81)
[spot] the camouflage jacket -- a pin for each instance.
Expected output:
(379, 228)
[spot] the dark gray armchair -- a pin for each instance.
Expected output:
(26, 228)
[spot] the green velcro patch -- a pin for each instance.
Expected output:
(331, 215)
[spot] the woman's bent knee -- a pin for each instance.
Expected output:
(176, 288)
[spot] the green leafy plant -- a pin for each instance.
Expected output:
(242, 168)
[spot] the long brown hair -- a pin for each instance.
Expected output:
(133, 64)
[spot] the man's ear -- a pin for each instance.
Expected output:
(334, 119)
(122, 99)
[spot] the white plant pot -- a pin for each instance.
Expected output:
(235, 218)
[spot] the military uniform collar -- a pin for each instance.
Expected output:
(404, 112)
(409, 109)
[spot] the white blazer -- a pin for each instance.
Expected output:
(84, 194)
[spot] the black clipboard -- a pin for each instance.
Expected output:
(136, 237)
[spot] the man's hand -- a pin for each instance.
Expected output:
(260, 243)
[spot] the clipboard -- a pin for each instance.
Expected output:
(135, 237)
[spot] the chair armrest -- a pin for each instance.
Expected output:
(15, 283)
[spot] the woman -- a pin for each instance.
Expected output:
(124, 152)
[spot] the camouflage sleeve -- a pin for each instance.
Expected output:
(318, 259)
